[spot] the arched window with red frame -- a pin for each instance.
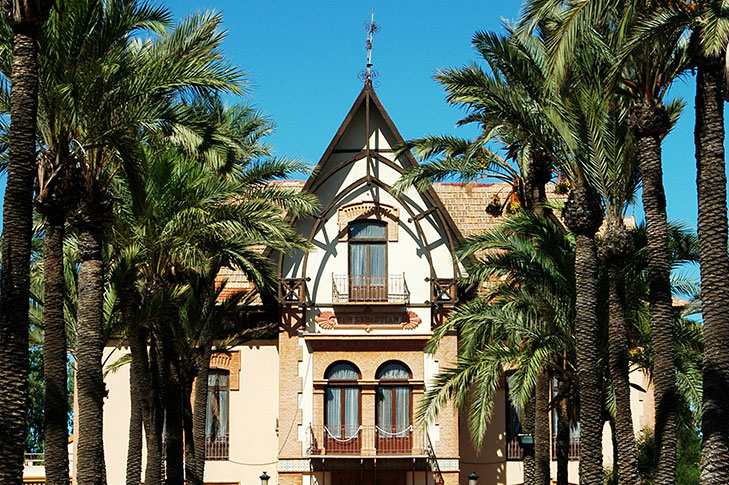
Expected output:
(394, 408)
(342, 407)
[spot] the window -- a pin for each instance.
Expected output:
(394, 428)
(342, 408)
(368, 261)
(216, 419)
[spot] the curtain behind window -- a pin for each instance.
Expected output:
(402, 408)
(367, 230)
(384, 408)
(334, 410)
(216, 420)
(351, 411)
(393, 370)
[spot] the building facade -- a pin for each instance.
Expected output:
(332, 399)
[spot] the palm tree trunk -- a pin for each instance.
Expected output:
(615, 247)
(563, 442)
(542, 443)
(650, 125)
(527, 427)
(191, 450)
(712, 229)
(200, 414)
(54, 353)
(138, 388)
(91, 390)
(17, 233)
(153, 415)
(172, 401)
(619, 369)
(586, 341)
(583, 216)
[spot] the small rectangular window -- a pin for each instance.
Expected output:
(216, 420)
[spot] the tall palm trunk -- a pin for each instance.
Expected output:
(712, 229)
(153, 412)
(200, 415)
(17, 233)
(583, 216)
(191, 451)
(138, 387)
(563, 442)
(615, 247)
(173, 407)
(650, 123)
(542, 442)
(54, 352)
(91, 390)
(527, 427)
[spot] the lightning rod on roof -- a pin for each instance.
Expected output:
(372, 28)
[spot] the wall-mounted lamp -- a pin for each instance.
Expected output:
(473, 479)
(264, 478)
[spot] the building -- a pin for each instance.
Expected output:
(330, 399)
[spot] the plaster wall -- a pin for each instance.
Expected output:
(252, 418)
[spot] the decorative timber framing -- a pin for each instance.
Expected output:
(368, 98)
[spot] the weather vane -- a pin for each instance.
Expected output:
(368, 74)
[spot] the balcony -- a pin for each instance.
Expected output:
(386, 289)
(365, 441)
(515, 450)
(217, 448)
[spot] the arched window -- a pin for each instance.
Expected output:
(394, 430)
(368, 260)
(342, 405)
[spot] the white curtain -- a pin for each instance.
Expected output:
(216, 419)
(342, 371)
(334, 410)
(384, 408)
(351, 410)
(377, 263)
(392, 370)
(402, 408)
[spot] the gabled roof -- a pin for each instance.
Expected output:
(368, 97)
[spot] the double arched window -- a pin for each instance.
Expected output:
(393, 400)
(342, 401)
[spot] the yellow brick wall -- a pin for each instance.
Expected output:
(447, 446)
(290, 386)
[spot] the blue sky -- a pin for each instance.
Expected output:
(302, 60)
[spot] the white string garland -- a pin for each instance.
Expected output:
(346, 440)
(398, 434)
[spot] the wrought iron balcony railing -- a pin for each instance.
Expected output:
(217, 448)
(370, 289)
(515, 450)
(366, 440)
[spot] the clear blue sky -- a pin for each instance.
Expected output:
(302, 60)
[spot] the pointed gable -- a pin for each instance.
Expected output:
(353, 181)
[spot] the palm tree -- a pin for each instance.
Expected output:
(206, 204)
(93, 135)
(708, 22)
(25, 19)
(509, 106)
(524, 321)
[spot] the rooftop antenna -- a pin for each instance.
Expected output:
(372, 28)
